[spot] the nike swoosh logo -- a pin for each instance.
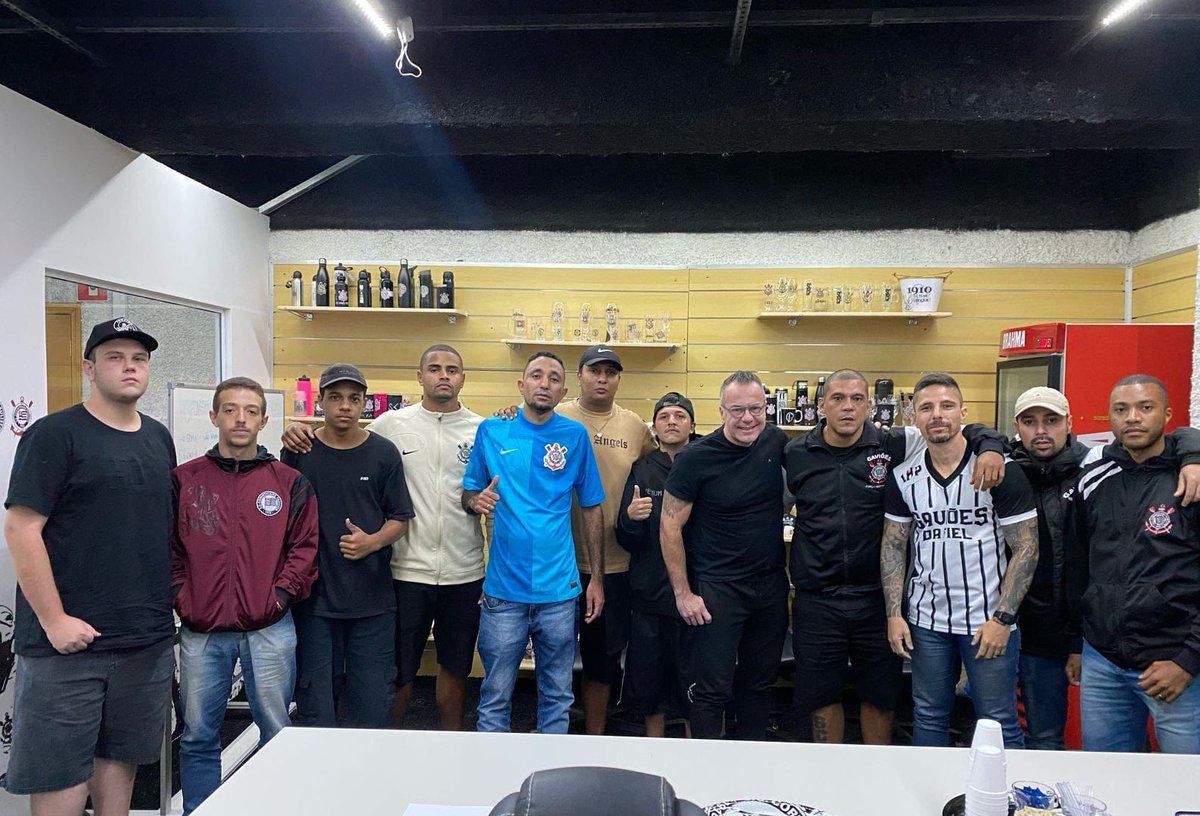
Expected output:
(406, 453)
(510, 450)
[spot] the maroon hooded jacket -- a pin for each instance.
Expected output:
(245, 542)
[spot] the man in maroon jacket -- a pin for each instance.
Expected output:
(244, 549)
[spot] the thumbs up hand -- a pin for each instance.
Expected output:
(639, 507)
(486, 500)
(358, 544)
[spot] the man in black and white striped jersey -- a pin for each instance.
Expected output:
(974, 554)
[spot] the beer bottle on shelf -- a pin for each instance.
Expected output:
(883, 410)
(296, 284)
(364, 289)
(426, 285)
(387, 295)
(404, 287)
(446, 291)
(321, 285)
(341, 289)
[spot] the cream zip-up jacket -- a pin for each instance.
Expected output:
(444, 544)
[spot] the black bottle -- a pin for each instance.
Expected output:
(387, 295)
(341, 289)
(426, 284)
(884, 409)
(404, 287)
(321, 285)
(446, 291)
(364, 289)
(820, 393)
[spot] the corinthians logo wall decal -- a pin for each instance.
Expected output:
(22, 415)
(1159, 520)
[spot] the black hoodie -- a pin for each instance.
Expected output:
(647, 572)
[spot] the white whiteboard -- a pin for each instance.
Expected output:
(193, 431)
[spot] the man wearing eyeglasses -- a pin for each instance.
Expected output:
(727, 573)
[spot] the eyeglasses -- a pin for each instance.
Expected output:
(756, 409)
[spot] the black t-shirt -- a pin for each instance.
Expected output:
(106, 495)
(366, 485)
(736, 526)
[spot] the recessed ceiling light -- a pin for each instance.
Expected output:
(375, 17)
(1122, 10)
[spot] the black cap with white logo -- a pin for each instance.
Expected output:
(341, 372)
(600, 353)
(119, 328)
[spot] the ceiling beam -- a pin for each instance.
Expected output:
(38, 20)
(309, 184)
(741, 16)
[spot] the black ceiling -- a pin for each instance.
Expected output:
(601, 115)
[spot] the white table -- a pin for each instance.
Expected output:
(352, 772)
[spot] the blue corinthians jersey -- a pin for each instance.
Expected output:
(531, 558)
(958, 554)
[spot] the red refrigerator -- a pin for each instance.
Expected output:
(1083, 360)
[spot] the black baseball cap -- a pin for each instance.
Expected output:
(116, 329)
(600, 353)
(341, 372)
(672, 398)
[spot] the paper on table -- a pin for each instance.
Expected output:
(447, 810)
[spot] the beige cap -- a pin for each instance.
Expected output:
(1042, 397)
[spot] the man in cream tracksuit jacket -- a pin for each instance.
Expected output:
(437, 568)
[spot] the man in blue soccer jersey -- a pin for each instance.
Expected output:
(522, 473)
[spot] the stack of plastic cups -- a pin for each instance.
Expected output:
(987, 776)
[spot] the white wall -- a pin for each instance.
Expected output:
(77, 202)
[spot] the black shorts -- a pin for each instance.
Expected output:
(836, 637)
(602, 641)
(450, 611)
(658, 665)
(72, 708)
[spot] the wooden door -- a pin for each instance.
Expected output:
(64, 350)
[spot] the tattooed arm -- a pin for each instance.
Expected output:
(675, 513)
(1022, 538)
(893, 561)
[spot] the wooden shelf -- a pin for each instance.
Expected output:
(795, 427)
(516, 343)
(319, 420)
(911, 317)
(307, 312)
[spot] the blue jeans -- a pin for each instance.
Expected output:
(1113, 710)
(206, 663)
(504, 629)
(1044, 692)
(350, 659)
(936, 657)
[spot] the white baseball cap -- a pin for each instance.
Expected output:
(1042, 397)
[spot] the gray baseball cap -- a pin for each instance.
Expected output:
(341, 372)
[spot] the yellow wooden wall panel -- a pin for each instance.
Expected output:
(713, 314)
(1172, 267)
(1177, 316)
(1169, 296)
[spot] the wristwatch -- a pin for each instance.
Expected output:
(1005, 618)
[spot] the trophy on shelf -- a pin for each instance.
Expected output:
(612, 316)
(768, 297)
(556, 321)
(518, 324)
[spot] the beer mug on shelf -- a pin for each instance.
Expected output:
(839, 298)
(519, 326)
(888, 301)
(537, 329)
(806, 296)
(866, 293)
(850, 298)
(556, 321)
(821, 295)
(633, 331)
(664, 327)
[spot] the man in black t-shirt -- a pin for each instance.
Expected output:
(722, 542)
(88, 523)
(348, 625)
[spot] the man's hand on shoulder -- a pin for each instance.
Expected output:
(988, 471)
(297, 437)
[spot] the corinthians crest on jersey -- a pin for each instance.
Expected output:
(877, 469)
(556, 456)
(1159, 520)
